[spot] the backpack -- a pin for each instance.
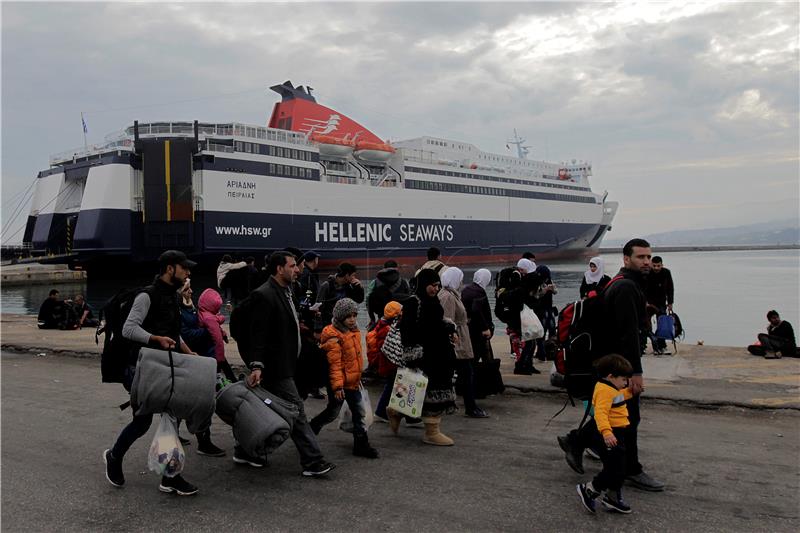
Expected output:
(502, 305)
(241, 319)
(116, 354)
(505, 280)
(580, 337)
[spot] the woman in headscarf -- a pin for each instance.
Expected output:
(450, 298)
(424, 324)
(595, 278)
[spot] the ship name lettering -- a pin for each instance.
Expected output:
(426, 232)
(352, 232)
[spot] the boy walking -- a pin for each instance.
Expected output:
(607, 433)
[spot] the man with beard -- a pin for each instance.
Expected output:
(154, 321)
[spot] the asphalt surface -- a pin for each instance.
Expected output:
(726, 470)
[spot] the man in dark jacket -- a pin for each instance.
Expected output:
(388, 285)
(52, 312)
(660, 294)
(309, 279)
(626, 321)
(778, 341)
(274, 349)
(155, 321)
(343, 284)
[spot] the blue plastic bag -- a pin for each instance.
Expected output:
(665, 327)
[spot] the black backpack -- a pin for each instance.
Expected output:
(241, 320)
(583, 340)
(117, 350)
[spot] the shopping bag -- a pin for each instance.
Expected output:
(531, 326)
(346, 417)
(396, 352)
(166, 457)
(408, 392)
(665, 327)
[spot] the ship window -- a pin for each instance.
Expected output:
(294, 154)
(272, 168)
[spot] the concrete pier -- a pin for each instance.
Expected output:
(38, 274)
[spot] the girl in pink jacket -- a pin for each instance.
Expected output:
(210, 318)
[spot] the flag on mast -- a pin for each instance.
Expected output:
(83, 121)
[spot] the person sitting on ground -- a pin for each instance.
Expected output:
(52, 312)
(83, 312)
(595, 278)
(608, 433)
(341, 341)
(778, 341)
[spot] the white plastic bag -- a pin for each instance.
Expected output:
(408, 392)
(166, 457)
(531, 326)
(346, 417)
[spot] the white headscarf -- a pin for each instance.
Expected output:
(527, 265)
(452, 278)
(482, 277)
(594, 277)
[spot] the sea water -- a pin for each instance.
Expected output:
(721, 297)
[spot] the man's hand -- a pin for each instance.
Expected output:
(339, 394)
(487, 334)
(636, 384)
(355, 281)
(454, 338)
(254, 378)
(669, 308)
(610, 440)
(164, 342)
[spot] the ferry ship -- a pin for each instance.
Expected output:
(314, 179)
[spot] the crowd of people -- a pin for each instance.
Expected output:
(304, 338)
(55, 313)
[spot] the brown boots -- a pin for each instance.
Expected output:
(432, 434)
(394, 420)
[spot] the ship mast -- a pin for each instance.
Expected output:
(522, 151)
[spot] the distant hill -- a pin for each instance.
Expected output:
(766, 233)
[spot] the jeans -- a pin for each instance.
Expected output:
(130, 434)
(331, 411)
(303, 437)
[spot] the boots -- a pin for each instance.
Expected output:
(362, 448)
(432, 434)
(394, 420)
(206, 447)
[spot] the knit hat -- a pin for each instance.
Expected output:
(392, 309)
(344, 308)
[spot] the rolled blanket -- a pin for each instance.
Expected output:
(261, 421)
(192, 391)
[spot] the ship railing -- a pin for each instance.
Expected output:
(233, 129)
(84, 151)
(214, 147)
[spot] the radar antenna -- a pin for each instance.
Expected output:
(522, 151)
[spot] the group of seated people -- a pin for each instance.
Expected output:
(55, 313)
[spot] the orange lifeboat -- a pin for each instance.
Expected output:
(375, 152)
(333, 146)
(563, 174)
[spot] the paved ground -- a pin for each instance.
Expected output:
(707, 376)
(727, 470)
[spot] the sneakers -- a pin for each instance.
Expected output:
(571, 455)
(615, 503)
(177, 484)
(320, 468)
(645, 482)
(588, 495)
(113, 469)
(362, 448)
(477, 413)
(209, 449)
(242, 458)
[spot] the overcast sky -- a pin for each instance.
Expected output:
(688, 112)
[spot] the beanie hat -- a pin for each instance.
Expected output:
(392, 309)
(344, 308)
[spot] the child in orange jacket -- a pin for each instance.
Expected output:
(341, 341)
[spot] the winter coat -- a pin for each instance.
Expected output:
(329, 294)
(210, 303)
(479, 316)
(224, 268)
(375, 339)
(345, 360)
(659, 288)
(587, 287)
(454, 310)
(196, 337)
(274, 332)
(387, 286)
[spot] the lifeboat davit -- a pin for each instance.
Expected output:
(333, 146)
(375, 152)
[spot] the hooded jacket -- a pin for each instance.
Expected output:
(388, 286)
(345, 361)
(210, 303)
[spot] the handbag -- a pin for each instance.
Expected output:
(396, 352)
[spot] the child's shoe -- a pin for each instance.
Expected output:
(613, 502)
(362, 448)
(587, 495)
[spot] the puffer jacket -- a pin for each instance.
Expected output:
(345, 361)
(454, 310)
(210, 303)
(375, 340)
